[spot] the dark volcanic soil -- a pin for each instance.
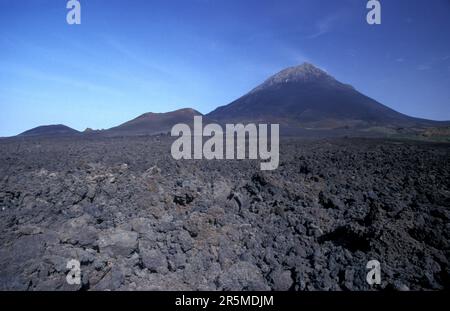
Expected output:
(137, 219)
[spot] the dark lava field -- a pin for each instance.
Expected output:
(138, 220)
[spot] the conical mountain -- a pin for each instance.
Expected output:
(307, 97)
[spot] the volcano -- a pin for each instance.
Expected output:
(154, 123)
(50, 130)
(307, 97)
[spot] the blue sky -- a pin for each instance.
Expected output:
(134, 56)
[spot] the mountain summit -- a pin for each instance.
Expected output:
(154, 123)
(298, 74)
(49, 131)
(307, 97)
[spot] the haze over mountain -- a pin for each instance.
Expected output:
(307, 97)
(298, 98)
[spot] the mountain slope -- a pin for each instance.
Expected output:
(307, 97)
(50, 130)
(154, 123)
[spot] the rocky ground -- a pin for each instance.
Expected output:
(138, 220)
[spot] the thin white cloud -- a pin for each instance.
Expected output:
(134, 57)
(32, 73)
(326, 24)
(423, 67)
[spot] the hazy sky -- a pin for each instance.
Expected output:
(134, 56)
